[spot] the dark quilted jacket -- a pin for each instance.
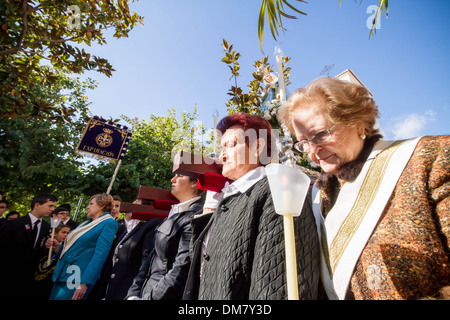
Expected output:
(245, 254)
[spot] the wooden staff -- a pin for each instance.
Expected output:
(291, 261)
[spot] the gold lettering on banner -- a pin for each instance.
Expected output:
(98, 151)
(362, 203)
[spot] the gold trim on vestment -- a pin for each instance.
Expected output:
(362, 203)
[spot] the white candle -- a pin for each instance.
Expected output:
(54, 222)
(287, 198)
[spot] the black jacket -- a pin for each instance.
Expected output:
(20, 259)
(72, 224)
(133, 249)
(164, 274)
(245, 255)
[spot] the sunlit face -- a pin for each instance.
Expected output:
(93, 209)
(62, 234)
(115, 212)
(236, 156)
(182, 188)
(44, 210)
(343, 143)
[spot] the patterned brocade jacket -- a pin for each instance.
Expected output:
(407, 255)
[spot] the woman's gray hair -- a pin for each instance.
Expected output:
(345, 103)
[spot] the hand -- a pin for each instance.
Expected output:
(52, 243)
(79, 292)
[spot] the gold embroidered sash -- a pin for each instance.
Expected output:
(356, 212)
(363, 201)
(75, 234)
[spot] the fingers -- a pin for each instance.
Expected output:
(79, 293)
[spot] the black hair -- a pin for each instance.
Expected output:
(43, 198)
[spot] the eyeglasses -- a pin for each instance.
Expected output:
(319, 138)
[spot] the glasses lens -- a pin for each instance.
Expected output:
(301, 146)
(322, 136)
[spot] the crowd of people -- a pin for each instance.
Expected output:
(375, 224)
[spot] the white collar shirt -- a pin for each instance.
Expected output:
(33, 220)
(180, 207)
(245, 182)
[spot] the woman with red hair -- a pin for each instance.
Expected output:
(238, 250)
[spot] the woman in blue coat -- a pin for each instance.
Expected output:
(83, 253)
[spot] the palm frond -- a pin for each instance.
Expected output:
(382, 4)
(275, 14)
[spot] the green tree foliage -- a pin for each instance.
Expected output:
(251, 102)
(33, 32)
(38, 154)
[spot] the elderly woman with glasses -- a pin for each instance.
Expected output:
(238, 250)
(382, 207)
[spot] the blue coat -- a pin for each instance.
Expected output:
(86, 256)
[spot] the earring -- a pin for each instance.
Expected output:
(363, 137)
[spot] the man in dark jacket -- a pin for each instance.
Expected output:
(128, 253)
(21, 248)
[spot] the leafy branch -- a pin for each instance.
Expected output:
(275, 14)
(264, 81)
(34, 30)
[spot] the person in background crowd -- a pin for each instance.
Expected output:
(84, 251)
(3, 207)
(382, 207)
(164, 274)
(45, 269)
(61, 232)
(12, 215)
(129, 251)
(63, 213)
(238, 250)
(20, 249)
(115, 212)
(126, 219)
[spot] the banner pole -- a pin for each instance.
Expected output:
(114, 176)
(80, 201)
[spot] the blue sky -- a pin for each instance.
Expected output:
(175, 60)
